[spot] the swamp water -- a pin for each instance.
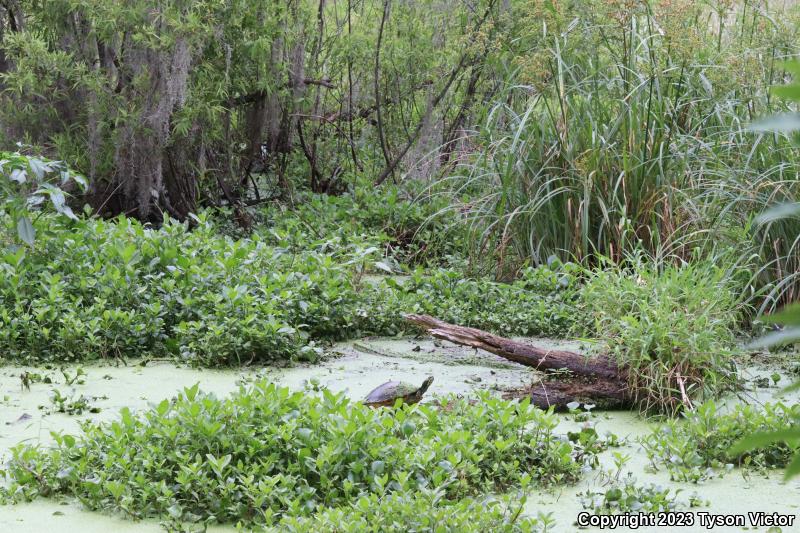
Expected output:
(357, 367)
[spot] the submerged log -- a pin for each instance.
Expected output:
(596, 379)
(557, 394)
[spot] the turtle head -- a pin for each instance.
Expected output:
(424, 387)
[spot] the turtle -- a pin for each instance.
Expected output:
(390, 391)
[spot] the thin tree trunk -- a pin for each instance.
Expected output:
(462, 63)
(377, 77)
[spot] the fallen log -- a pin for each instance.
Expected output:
(557, 394)
(522, 353)
(596, 379)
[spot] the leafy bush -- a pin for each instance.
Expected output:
(697, 448)
(627, 496)
(672, 328)
(422, 511)
(25, 183)
(103, 289)
(267, 452)
(412, 230)
(541, 302)
(95, 289)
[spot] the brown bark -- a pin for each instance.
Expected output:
(595, 379)
(522, 353)
(557, 394)
(376, 79)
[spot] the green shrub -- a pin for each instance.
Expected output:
(99, 289)
(672, 328)
(421, 511)
(25, 183)
(627, 496)
(413, 230)
(267, 452)
(699, 447)
(540, 303)
(93, 289)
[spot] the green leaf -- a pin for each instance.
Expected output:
(58, 199)
(18, 175)
(779, 212)
(762, 439)
(80, 180)
(378, 467)
(776, 338)
(67, 212)
(788, 316)
(793, 67)
(37, 166)
(793, 469)
(163, 407)
(25, 230)
(384, 266)
(175, 511)
(789, 92)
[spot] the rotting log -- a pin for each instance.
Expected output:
(557, 394)
(595, 379)
(525, 354)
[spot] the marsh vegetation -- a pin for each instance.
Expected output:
(251, 199)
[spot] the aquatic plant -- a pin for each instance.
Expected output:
(423, 510)
(700, 446)
(266, 452)
(95, 289)
(674, 328)
(628, 496)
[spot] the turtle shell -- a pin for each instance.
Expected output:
(389, 392)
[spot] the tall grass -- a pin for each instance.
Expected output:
(673, 328)
(631, 132)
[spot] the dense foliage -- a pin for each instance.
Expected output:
(26, 183)
(416, 512)
(624, 126)
(173, 106)
(263, 179)
(700, 446)
(267, 452)
(674, 328)
(93, 289)
(627, 496)
(551, 128)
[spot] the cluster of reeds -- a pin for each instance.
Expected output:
(626, 128)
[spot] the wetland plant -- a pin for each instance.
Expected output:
(627, 496)
(674, 328)
(700, 446)
(423, 510)
(267, 453)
